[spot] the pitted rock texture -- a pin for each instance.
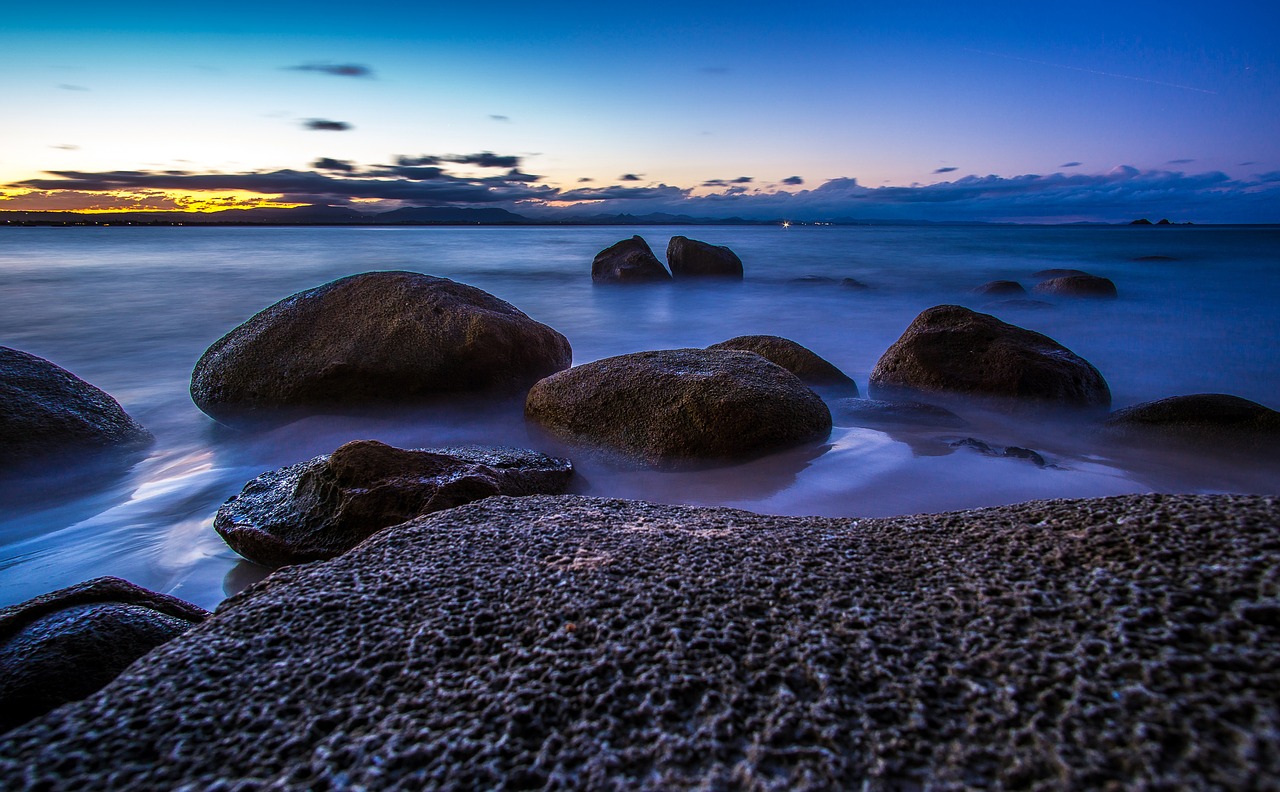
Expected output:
(689, 258)
(1205, 417)
(811, 368)
(375, 337)
(555, 642)
(64, 645)
(45, 409)
(324, 507)
(676, 405)
(1078, 286)
(628, 261)
(950, 349)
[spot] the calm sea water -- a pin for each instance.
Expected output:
(131, 309)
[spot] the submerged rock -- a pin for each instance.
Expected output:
(680, 404)
(689, 258)
(812, 369)
(628, 261)
(874, 412)
(854, 283)
(65, 645)
(324, 507)
(1000, 288)
(1078, 286)
(1047, 274)
(568, 642)
(1010, 452)
(46, 410)
(1214, 417)
(950, 349)
(375, 337)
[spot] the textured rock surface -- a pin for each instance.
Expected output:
(377, 336)
(950, 349)
(1000, 288)
(689, 258)
(45, 409)
(1077, 286)
(811, 368)
(1046, 274)
(572, 642)
(628, 261)
(65, 645)
(674, 405)
(1216, 417)
(874, 412)
(324, 507)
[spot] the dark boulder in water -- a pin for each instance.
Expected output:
(628, 261)
(1078, 286)
(375, 337)
(1000, 288)
(948, 349)
(1046, 274)
(322, 508)
(855, 284)
(689, 258)
(65, 645)
(811, 368)
(1211, 417)
(585, 643)
(876, 412)
(670, 406)
(46, 410)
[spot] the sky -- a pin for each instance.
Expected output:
(995, 111)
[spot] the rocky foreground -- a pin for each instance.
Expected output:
(565, 641)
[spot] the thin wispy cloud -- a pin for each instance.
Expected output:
(335, 69)
(66, 147)
(325, 125)
(793, 180)
(500, 118)
(1093, 71)
(727, 182)
(1070, 165)
(948, 169)
(1180, 162)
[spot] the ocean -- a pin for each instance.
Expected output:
(131, 309)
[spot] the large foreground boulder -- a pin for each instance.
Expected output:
(324, 507)
(67, 644)
(953, 350)
(628, 261)
(811, 368)
(1216, 418)
(679, 405)
(375, 337)
(689, 258)
(46, 410)
(568, 642)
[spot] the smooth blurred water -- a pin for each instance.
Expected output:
(131, 309)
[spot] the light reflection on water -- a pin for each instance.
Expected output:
(131, 309)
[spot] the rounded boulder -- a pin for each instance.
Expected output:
(45, 409)
(628, 261)
(680, 405)
(1210, 417)
(689, 258)
(375, 337)
(1078, 286)
(811, 368)
(949, 349)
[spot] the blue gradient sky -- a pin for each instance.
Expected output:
(939, 111)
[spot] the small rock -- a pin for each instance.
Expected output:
(812, 280)
(67, 644)
(689, 258)
(812, 369)
(1000, 288)
(854, 283)
(628, 261)
(1046, 274)
(1078, 286)
(1011, 452)
(322, 508)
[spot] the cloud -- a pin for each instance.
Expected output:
(793, 180)
(727, 182)
(946, 170)
(485, 159)
(628, 177)
(335, 69)
(619, 193)
(585, 179)
(326, 163)
(1070, 165)
(425, 159)
(66, 147)
(324, 125)
(497, 117)
(1180, 162)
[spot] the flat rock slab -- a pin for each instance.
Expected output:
(325, 506)
(606, 644)
(46, 410)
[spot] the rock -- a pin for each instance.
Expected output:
(628, 261)
(854, 283)
(805, 364)
(569, 642)
(1200, 417)
(46, 410)
(999, 288)
(324, 507)
(1140, 221)
(1033, 304)
(948, 349)
(1011, 452)
(1078, 286)
(677, 405)
(813, 280)
(689, 258)
(1046, 274)
(67, 644)
(375, 337)
(863, 412)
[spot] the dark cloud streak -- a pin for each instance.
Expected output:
(325, 125)
(335, 69)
